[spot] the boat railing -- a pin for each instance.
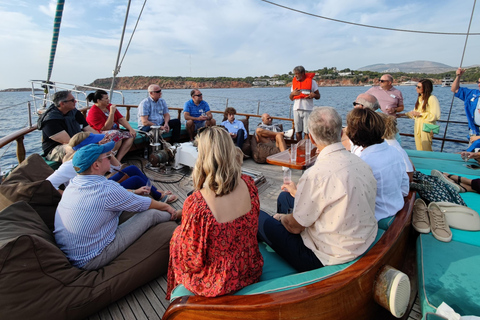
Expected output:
(18, 135)
(42, 93)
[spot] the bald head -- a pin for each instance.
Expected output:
(366, 100)
(266, 119)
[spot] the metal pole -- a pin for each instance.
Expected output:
(258, 108)
(29, 114)
(115, 72)
(461, 62)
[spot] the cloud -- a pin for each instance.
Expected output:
(225, 37)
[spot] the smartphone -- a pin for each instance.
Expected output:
(473, 166)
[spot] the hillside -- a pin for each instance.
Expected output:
(419, 66)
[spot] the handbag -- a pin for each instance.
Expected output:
(430, 127)
(460, 217)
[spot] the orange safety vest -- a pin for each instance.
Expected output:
(303, 85)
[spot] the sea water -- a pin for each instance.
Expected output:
(275, 101)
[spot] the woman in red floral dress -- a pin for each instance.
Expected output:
(215, 250)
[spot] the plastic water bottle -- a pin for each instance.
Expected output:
(287, 175)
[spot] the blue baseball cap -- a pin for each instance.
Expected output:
(92, 138)
(86, 156)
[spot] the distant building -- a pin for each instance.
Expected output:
(260, 83)
(345, 74)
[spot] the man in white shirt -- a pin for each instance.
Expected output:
(333, 219)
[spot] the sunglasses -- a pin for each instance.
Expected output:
(71, 100)
(198, 95)
(357, 104)
(419, 87)
(158, 91)
(382, 81)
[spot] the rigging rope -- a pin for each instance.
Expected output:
(369, 26)
(461, 63)
(56, 31)
(117, 68)
(119, 64)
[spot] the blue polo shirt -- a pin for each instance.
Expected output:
(194, 110)
(154, 111)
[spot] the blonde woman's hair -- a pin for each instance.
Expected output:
(73, 142)
(390, 126)
(217, 167)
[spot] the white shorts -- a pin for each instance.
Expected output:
(300, 117)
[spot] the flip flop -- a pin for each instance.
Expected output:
(169, 198)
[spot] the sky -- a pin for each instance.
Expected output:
(231, 38)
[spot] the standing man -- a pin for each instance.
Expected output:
(389, 98)
(267, 132)
(304, 89)
(235, 128)
(329, 225)
(472, 107)
(59, 123)
(197, 113)
(87, 226)
(153, 111)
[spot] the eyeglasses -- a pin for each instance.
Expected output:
(71, 100)
(382, 81)
(158, 91)
(357, 104)
(108, 156)
(198, 95)
(419, 87)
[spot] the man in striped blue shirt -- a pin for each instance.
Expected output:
(87, 217)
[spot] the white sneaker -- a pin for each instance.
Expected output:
(420, 221)
(288, 134)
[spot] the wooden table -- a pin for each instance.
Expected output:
(302, 162)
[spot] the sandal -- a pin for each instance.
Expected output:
(169, 198)
(459, 182)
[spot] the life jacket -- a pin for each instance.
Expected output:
(306, 84)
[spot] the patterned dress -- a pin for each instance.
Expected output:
(210, 258)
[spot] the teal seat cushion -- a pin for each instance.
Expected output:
(270, 283)
(52, 164)
(140, 138)
(448, 272)
(385, 223)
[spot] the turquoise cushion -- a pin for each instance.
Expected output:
(52, 164)
(385, 223)
(287, 282)
(425, 161)
(140, 138)
(448, 273)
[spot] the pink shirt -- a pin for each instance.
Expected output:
(387, 98)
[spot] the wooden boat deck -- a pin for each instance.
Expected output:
(148, 301)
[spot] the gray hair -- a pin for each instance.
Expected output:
(368, 101)
(300, 69)
(60, 96)
(389, 76)
(325, 125)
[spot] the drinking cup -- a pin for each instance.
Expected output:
(148, 186)
(293, 153)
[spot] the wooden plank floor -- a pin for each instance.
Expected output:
(148, 301)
